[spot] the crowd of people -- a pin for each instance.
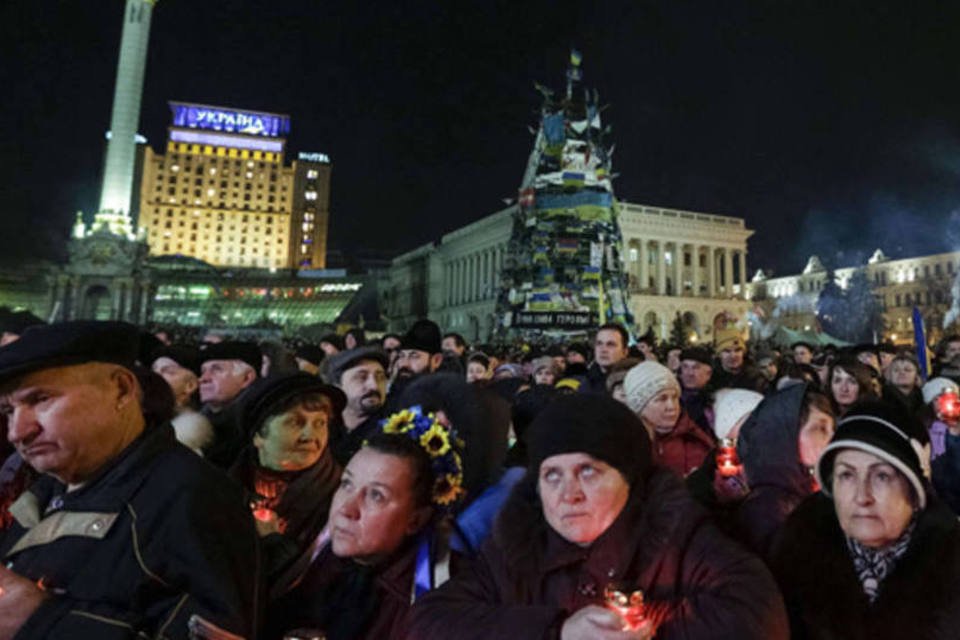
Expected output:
(415, 486)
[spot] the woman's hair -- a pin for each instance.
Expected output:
(862, 373)
(156, 400)
(313, 401)
(813, 398)
(401, 446)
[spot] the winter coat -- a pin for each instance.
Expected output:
(348, 601)
(946, 472)
(303, 508)
(917, 600)
(684, 448)
(595, 381)
(528, 580)
(229, 436)
(747, 378)
(343, 444)
(698, 404)
(769, 451)
(158, 537)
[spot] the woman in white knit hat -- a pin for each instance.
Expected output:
(653, 393)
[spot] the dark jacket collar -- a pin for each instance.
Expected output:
(117, 480)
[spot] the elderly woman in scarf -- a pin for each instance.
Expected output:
(597, 542)
(875, 554)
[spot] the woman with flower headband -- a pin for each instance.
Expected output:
(596, 542)
(361, 582)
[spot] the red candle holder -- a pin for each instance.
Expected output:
(728, 463)
(627, 603)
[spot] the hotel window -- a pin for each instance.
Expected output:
(310, 195)
(312, 174)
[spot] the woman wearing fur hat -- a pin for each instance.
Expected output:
(653, 393)
(593, 529)
(875, 554)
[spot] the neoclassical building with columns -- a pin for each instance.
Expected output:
(678, 262)
(925, 282)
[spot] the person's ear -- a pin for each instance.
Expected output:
(435, 361)
(191, 385)
(127, 387)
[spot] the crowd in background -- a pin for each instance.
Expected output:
(415, 486)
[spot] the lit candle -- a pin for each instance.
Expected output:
(628, 604)
(728, 464)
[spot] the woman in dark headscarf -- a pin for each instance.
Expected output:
(594, 519)
(778, 446)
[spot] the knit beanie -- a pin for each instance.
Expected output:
(729, 338)
(645, 381)
(936, 386)
(884, 431)
(730, 406)
(593, 424)
(699, 354)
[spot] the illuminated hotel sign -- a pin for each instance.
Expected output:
(314, 157)
(251, 123)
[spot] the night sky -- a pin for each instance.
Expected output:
(830, 130)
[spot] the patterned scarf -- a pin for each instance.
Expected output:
(873, 565)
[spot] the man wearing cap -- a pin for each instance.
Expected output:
(696, 369)
(287, 468)
(421, 352)
(361, 374)
(179, 365)
(309, 357)
(734, 372)
(126, 533)
(227, 368)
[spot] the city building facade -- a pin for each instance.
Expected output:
(678, 263)
(923, 281)
(223, 193)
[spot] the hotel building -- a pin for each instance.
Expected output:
(223, 193)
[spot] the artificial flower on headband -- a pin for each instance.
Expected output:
(437, 440)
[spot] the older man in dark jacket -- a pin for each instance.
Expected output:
(127, 534)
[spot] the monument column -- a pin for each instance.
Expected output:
(117, 189)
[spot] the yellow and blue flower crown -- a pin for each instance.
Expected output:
(440, 443)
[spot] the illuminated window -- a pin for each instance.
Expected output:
(310, 195)
(312, 174)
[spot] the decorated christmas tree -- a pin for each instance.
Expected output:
(564, 271)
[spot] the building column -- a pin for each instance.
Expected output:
(711, 272)
(644, 266)
(695, 269)
(677, 269)
(743, 275)
(661, 269)
(727, 272)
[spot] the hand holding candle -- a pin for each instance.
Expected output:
(19, 599)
